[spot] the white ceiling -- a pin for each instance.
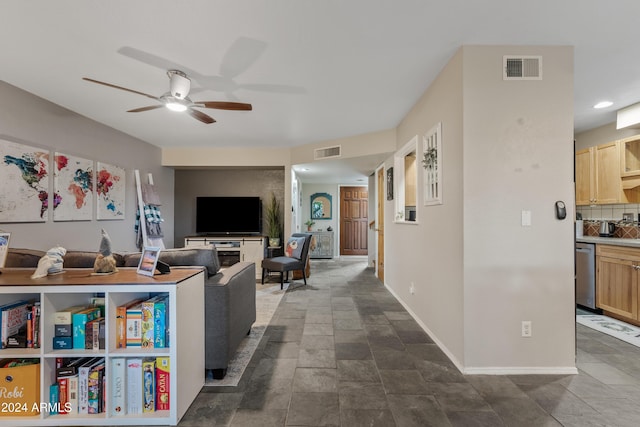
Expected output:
(314, 70)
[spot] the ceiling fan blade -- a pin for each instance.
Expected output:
(198, 115)
(224, 105)
(120, 87)
(141, 109)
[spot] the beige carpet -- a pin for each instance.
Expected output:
(268, 298)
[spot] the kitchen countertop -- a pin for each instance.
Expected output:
(615, 241)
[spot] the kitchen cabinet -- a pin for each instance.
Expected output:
(630, 167)
(585, 177)
(608, 180)
(598, 176)
(630, 161)
(618, 271)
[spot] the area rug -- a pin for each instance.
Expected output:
(623, 331)
(268, 298)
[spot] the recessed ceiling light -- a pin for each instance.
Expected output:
(603, 104)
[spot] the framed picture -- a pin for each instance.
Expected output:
(432, 163)
(110, 191)
(73, 180)
(321, 207)
(24, 183)
(4, 247)
(390, 184)
(148, 260)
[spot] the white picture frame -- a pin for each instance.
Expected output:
(5, 238)
(148, 260)
(432, 165)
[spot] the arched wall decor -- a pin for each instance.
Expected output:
(321, 206)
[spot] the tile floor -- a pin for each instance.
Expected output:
(343, 352)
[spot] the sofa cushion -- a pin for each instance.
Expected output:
(86, 259)
(23, 258)
(205, 256)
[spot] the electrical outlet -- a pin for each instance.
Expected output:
(526, 328)
(412, 289)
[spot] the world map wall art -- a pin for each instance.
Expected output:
(72, 188)
(79, 188)
(110, 191)
(24, 183)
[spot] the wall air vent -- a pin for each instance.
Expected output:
(519, 67)
(327, 152)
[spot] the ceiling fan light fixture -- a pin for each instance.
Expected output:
(179, 84)
(176, 106)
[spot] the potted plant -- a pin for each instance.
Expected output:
(309, 224)
(274, 221)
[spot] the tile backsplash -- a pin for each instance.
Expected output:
(608, 212)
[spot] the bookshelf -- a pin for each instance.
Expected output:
(185, 289)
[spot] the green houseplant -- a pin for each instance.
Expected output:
(274, 221)
(309, 224)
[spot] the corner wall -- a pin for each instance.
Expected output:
(429, 253)
(478, 273)
(30, 120)
(518, 155)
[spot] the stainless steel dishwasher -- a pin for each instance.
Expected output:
(586, 274)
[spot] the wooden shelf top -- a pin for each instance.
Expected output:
(84, 276)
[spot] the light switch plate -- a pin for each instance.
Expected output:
(526, 218)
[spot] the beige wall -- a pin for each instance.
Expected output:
(202, 158)
(602, 135)
(232, 182)
(518, 155)
(31, 120)
(430, 253)
(507, 147)
(354, 146)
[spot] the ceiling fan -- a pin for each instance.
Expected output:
(177, 98)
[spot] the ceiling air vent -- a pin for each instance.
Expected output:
(327, 152)
(518, 67)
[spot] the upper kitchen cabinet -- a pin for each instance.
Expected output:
(585, 177)
(630, 165)
(598, 180)
(608, 180)
(630, 161)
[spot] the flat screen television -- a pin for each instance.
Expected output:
(228, 215)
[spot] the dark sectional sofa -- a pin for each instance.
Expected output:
(230, 293)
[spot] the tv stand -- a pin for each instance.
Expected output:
(232, 249)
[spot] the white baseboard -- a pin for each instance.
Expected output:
(532, 370)
(490, 370)
(424, 327)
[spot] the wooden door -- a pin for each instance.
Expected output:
(380, 224)
(585, 177)
(354, 208)
(617, 286)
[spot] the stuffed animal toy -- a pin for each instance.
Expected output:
(50, 263)
(105, 262)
